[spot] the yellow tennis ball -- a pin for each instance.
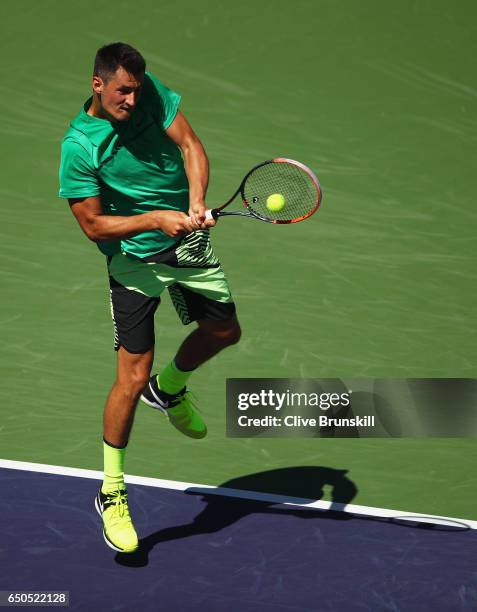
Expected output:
(275, 202)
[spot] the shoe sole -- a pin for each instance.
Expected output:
(108, 542)
(153, 405)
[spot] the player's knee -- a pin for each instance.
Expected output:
(234, 335)
(135, 380)
(229, 336)
(140, 378)
(220, 334)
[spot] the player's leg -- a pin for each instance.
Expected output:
(167, 391)
(133, 317)
(210, 337)
(133, 371)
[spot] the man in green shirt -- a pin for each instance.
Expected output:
(135, 175)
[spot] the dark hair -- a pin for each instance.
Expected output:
(110, 57)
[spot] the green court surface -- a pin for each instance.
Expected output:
(379, 98)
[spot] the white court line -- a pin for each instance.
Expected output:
(253, 495)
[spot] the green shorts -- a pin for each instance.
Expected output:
(193, 276)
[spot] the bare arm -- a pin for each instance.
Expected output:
(196, 165)
(98, 226)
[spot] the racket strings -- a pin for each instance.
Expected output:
(299, 192)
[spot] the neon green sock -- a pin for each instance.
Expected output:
(171, 380)
(113, 467)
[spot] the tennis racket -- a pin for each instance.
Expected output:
(279, 190)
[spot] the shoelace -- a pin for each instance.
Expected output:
(119, 501)
(192, 398)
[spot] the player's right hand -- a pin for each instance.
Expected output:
(175, 223)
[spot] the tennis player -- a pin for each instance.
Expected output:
(135, 175)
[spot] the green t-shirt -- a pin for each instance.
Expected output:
(132, 165)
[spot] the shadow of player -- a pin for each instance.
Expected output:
(301, 484)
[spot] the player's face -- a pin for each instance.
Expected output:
(118, 97)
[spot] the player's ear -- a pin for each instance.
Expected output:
(98, 84)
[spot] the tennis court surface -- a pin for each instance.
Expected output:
(201, 550)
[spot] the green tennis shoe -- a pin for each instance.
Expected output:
(180, 408)
(118, 529)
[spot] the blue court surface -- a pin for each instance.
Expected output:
(215, 553)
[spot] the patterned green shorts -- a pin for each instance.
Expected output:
(193, 276)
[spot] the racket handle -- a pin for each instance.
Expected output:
(212, 214)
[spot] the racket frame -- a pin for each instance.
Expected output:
(217, 212)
